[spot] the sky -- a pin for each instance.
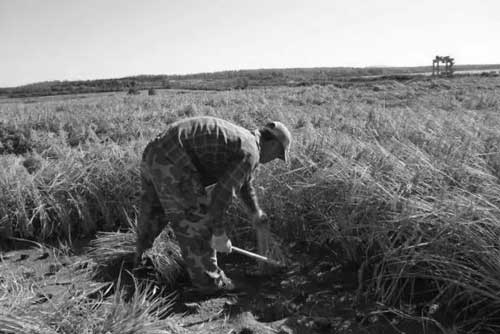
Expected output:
(92, 39)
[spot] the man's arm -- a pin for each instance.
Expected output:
(231, 181)
(249, 196)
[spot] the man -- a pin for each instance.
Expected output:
(177, 166)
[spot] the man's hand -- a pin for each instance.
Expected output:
(259, 219)
(261, 224)
(221, 243)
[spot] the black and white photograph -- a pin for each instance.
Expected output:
(249, 167)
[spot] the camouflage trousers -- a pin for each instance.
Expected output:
(173, 193)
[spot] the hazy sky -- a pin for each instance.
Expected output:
(87, 39)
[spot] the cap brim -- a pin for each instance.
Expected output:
(284, 156)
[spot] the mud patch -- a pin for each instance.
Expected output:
(313, 295)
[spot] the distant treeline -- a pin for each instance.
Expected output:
(225, 80)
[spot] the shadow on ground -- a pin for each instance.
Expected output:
(314, 294)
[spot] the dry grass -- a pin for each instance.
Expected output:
(30, 304)
(143, 312)
(114, 251)
(400, 180)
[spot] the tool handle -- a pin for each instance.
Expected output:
(256, 256)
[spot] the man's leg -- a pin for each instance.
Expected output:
(185, 202)
(151, 220)
(194, 234)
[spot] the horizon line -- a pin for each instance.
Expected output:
(233, 70)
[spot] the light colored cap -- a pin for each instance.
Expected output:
(280, 131)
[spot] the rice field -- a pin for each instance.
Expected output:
(398, 180)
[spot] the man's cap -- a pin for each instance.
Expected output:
(281, 133)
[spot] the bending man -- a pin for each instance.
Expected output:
(177, 166)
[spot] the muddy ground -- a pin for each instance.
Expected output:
(313, 294)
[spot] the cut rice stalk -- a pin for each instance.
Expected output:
(118, 250)
(269, 247)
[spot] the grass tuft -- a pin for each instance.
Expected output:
(114, 251)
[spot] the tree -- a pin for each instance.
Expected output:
(241, 83)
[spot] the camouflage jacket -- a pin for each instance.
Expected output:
(223, 153)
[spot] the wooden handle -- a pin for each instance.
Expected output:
(257, 256)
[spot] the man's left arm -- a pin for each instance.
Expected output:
(222, 194)
(249, 197)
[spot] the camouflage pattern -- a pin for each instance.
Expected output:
(173, 193)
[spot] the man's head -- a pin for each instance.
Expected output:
(275, 141)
